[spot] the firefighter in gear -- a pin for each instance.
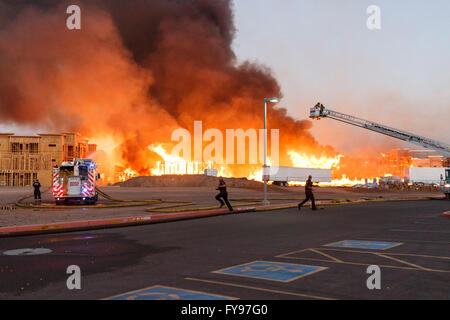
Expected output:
(309, 194)
(223, 195)
(37, 190)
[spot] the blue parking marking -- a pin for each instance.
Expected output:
(276, 271)
(359, 244)
(167, 293)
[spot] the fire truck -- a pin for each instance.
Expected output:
(75, 182)
(445, 184)
(320, 112)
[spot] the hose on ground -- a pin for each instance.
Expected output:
(173, 205)
(126, 203)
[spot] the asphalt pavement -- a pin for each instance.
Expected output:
(283, 255)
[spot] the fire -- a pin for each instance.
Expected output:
(127, 174)
(305, 161)
(159, 149)
(345, 182)
(257, 175)
(342, 182)
(175, 165)
(223, 171)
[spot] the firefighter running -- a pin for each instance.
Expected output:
(223, 195)
(309, 194)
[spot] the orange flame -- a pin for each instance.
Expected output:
(322, 162)
(342, 182)
(175, 165)
(127, 174)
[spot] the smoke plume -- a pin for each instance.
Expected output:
(137, 70)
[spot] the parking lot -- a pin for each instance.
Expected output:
(271, 255)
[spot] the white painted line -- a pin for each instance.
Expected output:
(27, 252)
(427, 231)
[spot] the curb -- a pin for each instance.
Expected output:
(446, 214)
(74, 226)
(334, 202)
(97, 206)
(274, 207)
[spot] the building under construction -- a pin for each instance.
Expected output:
(395, 161)
(26, 158)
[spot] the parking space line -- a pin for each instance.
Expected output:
(260, 289)
(360, 264)
(326, 255)
(390, 253)
(412, 240)
(404, 262)
(429, 223)
(384, 255)
(426, 231)
(290, 253)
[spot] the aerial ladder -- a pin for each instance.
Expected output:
(320, 112)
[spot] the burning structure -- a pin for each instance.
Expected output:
(396, 161)
(26, 158)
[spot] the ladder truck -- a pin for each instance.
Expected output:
(76, 181)
(320, 112)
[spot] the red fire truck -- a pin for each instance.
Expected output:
(75, 182)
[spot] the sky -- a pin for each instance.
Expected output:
(322, 50)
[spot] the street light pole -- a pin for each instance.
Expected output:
(265, 174)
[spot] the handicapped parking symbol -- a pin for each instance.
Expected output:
(269, 268)
(159, 292)
(359, 244)
(365, 243)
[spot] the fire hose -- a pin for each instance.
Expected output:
(175, 204)
(125, 203)
(129, 203)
